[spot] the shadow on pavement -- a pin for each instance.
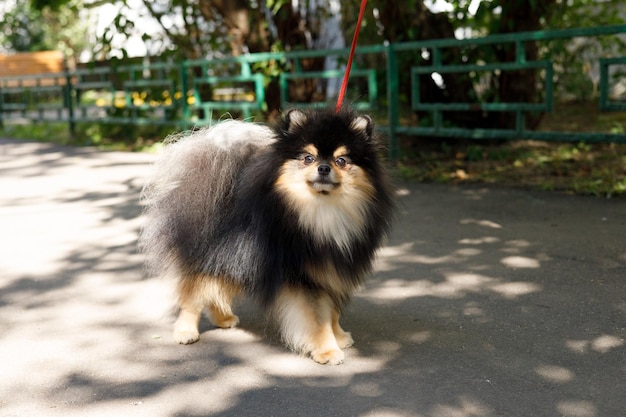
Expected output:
(485, 302)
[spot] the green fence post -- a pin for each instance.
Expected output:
(69, 93)
(184, 84)
(392, 98)
(260, 91)
(520, 52)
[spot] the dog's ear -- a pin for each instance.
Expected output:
(363, 124)
(294, 118)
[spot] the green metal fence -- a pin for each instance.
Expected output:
(519, 41)
(195, 93)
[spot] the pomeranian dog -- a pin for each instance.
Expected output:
(290, 216)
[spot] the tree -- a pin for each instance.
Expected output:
(577, 61)
(212, 28)
(31, 29)
(18, 31)
(518, 86)
(412, 21)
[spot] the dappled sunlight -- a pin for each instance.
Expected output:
(472, 310)
(483, 223)
(555, 374)
(237, 378)
(520, 262)
(577, 408)
(516, 245)
(391, 412)
(277, 361)
(398, 290)
(512, 290)
(389, 256)
(606, 343)
(455, 285)
(367, 389)
(466, 407)
(601, 344)
(419, 338)
(479, 241)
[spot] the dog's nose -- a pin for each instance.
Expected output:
(323, 169)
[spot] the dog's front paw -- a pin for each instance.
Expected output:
(227, 322)
(186, 336)
(345, 340)
(328, 357)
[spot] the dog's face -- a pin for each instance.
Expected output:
(323, 174)
(326, 156)
(327, 174)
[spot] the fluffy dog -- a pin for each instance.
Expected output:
(289, 215)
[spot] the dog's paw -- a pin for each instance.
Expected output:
(186, 336)
(227, 322)
(328, 357)
(345, 340)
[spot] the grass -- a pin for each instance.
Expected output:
(576, 168)
(42, 132)
(104, 137)
(598, 169)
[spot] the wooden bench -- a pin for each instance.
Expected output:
(30, 65)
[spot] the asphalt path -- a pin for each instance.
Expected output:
(484, 302)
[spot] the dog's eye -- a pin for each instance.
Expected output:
(308, 159)
(341, 162)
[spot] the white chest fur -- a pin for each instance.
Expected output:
(333, 219)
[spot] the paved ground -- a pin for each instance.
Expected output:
(486, 302)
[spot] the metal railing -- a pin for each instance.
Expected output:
(195, 93)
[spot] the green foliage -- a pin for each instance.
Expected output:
(54, 5)
(61, 25)
(576, 60)
(582, 168)
(120, 136)
(43, 132)
(20, 31)
(101, 135)
(587, 13)
(574, 168)
(483, 21)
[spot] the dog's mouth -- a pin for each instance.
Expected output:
(323, 185)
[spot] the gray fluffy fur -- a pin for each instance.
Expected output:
(214, 157)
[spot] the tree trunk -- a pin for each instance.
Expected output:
(236, 16)
(412, 21)
(247, 30)
(520, 86)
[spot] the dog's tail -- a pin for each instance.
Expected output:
(191, 188)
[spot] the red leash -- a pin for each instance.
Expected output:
(344, 84)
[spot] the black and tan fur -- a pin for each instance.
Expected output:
(290, 215)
